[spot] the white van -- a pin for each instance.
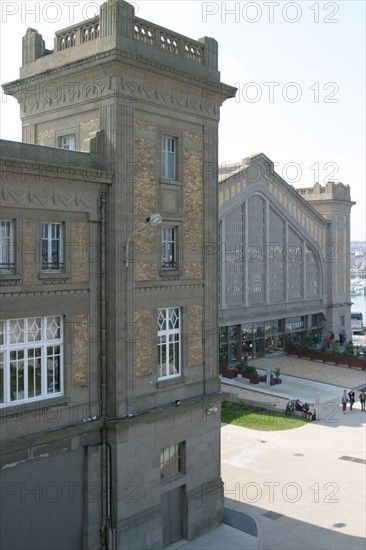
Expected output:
(358, 338)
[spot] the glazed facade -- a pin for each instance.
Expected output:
(283, 261)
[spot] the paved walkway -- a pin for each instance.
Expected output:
(301, 379)
(314, 370)
(297, 489)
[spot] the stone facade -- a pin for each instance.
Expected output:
(45, 437)
(136, 350)
(80, 338)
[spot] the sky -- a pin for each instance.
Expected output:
(299, 68)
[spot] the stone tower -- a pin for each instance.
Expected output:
(145, 102)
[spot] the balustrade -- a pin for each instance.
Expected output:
(143, 31)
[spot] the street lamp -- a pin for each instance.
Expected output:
(154, 219)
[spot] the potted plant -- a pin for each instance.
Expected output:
(222, 363)
(277, 372)
(251, 373)
(240, 369)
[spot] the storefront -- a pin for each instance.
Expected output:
(251, 340)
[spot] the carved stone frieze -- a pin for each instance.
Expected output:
(55, 281)
(170, 276)
(53, 292)
(90, 125)
(40, 97)
(43, 136)
(58, 200)
(9, 282)
(163, 287)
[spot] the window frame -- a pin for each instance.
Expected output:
(10, 253)
(165, 344)
(61, 252)
(177, 135)
(63, 137)
(23, 342)
(173, 264)
(167, 459)
(165, 152)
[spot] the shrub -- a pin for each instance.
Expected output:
(334, 348)
(248, 368)
(348, 350)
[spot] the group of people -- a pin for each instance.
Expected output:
(309, 410)
(350, 397)
(329, 338)
(296, 405)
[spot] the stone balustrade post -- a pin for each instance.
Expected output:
(117, 18)
(33, 46)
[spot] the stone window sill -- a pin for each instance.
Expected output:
(174, 477)
(170, 273)
(169, 382)
(164, 181)
(40, 406)
(10, 277)
(53, 275)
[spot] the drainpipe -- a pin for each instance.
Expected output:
(111, 533)
(105, 467)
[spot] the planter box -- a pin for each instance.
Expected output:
(328, 357)
(229, 373)
(222, 368)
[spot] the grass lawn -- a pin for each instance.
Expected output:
(259, 418)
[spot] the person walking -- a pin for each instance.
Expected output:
(351, 395)
(362, 400)
(344, 399)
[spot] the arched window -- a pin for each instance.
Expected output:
(233, 250)
(294, 258)
(255, 254)
(264, 259)
(312, 273)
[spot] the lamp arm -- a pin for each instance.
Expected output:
(127, 245)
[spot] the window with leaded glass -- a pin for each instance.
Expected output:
(169, 343)
(31, 359)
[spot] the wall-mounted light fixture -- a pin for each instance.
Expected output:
(212, 409)
(154, 219)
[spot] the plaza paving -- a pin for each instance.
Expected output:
(301, 378)
(298, 489)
